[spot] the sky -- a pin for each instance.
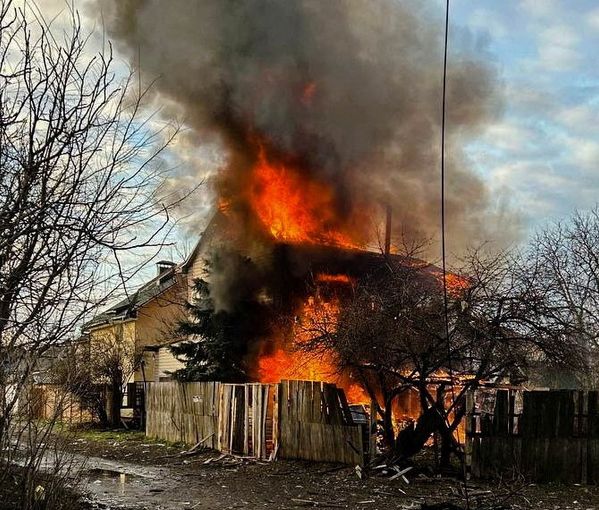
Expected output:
(541, 156)
(543, 153)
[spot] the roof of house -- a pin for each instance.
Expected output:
(127, 307)
(309, 257)
(214, 224)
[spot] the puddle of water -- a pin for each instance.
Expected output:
(109, 474)
(122, 479)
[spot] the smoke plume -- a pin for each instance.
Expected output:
(349, 89)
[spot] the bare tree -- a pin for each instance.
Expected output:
(79, 173)
(95, 371)
(562, 266)
(113, 358)
(72, 374)
(397, 332)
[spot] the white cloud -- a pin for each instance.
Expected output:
(523, 175)
(562, 35)
(540, 8)
(580, 117)
(584, 153)
(486, 21)
(592, 19)
(537, 189)
(508, 136)
(558, 58)
(558, 48)
(529, 99)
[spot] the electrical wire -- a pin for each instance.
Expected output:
(443, 240)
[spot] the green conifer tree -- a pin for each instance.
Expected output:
(220, 338)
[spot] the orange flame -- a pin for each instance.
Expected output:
(295, 365)
(282, 364)
(332, 278)
(291, 207)
(290, 362)
(456, 285)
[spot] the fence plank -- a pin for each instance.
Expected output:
(556, 440)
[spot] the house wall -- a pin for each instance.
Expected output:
(196, 269)
(157, 319)
(105, 339)
(166, 363)
(155, 325)
(108, 334)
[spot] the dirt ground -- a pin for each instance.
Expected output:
(126, 470)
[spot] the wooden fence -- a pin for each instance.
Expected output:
(185, 413)
(53, 402)
(544, 435)
(247, 419)
(293, 419)
(316, 424)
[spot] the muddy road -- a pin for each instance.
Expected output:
(225, 483)
(128, 472)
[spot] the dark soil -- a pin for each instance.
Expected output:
(12, 492)
(196, 482)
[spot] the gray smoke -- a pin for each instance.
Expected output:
(350, 88)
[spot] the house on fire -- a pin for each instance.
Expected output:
(145, 320)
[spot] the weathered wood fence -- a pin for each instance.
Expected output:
(544, 435)
(184, 413)
(246, 419)
(316, 424)
(292, 419)
(53, 402)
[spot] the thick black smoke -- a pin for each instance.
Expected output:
(350, 88)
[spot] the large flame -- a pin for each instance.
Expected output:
(293, 208)
(291, 364)
(315, 316)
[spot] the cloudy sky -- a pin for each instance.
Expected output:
(545, 149)
(542, 155)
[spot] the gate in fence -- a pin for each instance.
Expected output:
(247, 419)
(293, 419)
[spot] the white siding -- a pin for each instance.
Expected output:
(166, 362)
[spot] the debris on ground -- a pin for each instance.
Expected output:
(218, 481)
(393, 471)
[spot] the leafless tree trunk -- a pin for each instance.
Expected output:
(79, 174)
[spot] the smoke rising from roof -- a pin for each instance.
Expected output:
(351, 89)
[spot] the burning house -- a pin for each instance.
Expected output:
(322, 114)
